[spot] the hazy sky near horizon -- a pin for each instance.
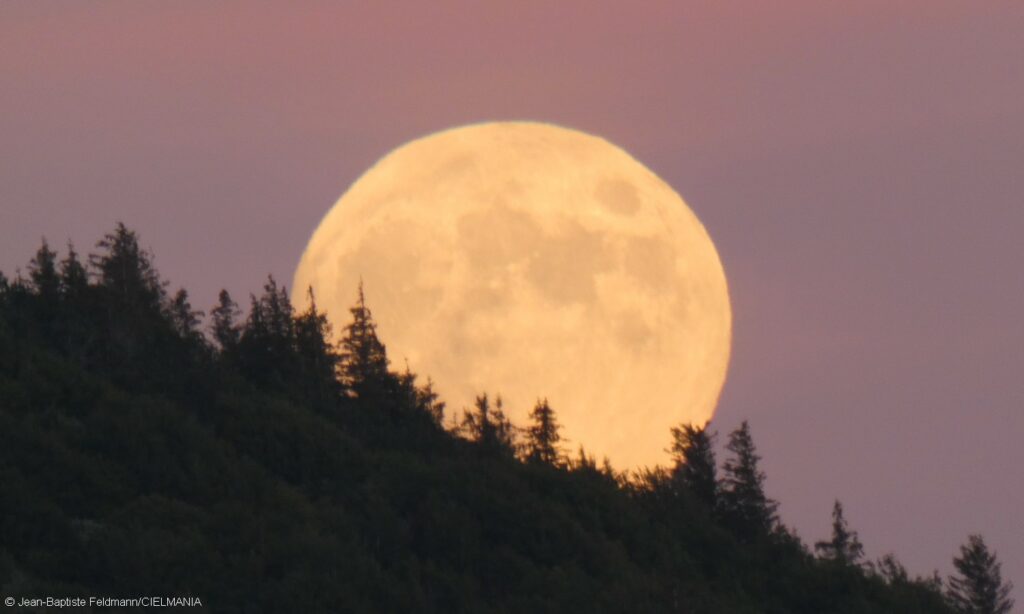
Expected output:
(860, 167)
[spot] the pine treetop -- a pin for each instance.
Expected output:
(978, 587)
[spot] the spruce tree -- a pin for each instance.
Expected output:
(423, 399)
(406, 389)
(183, 317)
(477, 425)
(584, 462)
(749, 512)
(489, 426)
(255, 330)
(43, 273)
(542, 437)
(364, 361)
(278, 312)
(73, 279)
(694, 456)
(131, 308)
(270, 326)
(844, 547)
(45, 283)
(77, 326)
(428, 401)
(978, 587)
(891, 570)
(266, 348)
(126, 271)
(318, 357)
(224, 321)
(504, 432)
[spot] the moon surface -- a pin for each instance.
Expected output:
(532, 260)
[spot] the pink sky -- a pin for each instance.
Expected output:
(857, 164)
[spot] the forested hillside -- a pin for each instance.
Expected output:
(251, 463)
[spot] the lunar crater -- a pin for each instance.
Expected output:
(650, 261)
(618, 196)
(566, 264)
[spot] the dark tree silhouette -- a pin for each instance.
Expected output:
(978, 587)
(266, 348)
(542, 436)
(45, 284)
(427, 400)
(131, 310)
(694, 457)
(584, 461)
(364, 360)
(423, 399)
(224, 323)
(489, 426)
(74, 281)
(255, 332)
(504, 431)
(43, 273)
(224, 474)
(185, 319)
(319, 360)
(586, 464)
(76, 328)
(891, 570)
(277, 313)
(844, 547)
(746, 508)
(126, 271)
(406, 388)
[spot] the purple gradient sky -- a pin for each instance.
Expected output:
(859, 166)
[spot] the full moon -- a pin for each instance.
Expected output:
(534, 261)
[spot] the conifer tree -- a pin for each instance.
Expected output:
(266, 348)
(542, 437)
(73, 279)
(319, 359)
(844, 547)
(224, 321)
(126, 271)
(489, 426)
(43, 273)
(277, 308)
(131, 304)
(423, 399)
(609, 472)
(45, 284)
(76, 331)
(504, 432)
(406, 388)
(586, 464)
(978, 587)
(891, 570)
(476, 425)
(428, 401)
(694, 455)
(183, 317)
(744, 503)
(255, 328)
(584, 461)
(364, 361)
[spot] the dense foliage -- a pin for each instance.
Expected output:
(264, 469)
